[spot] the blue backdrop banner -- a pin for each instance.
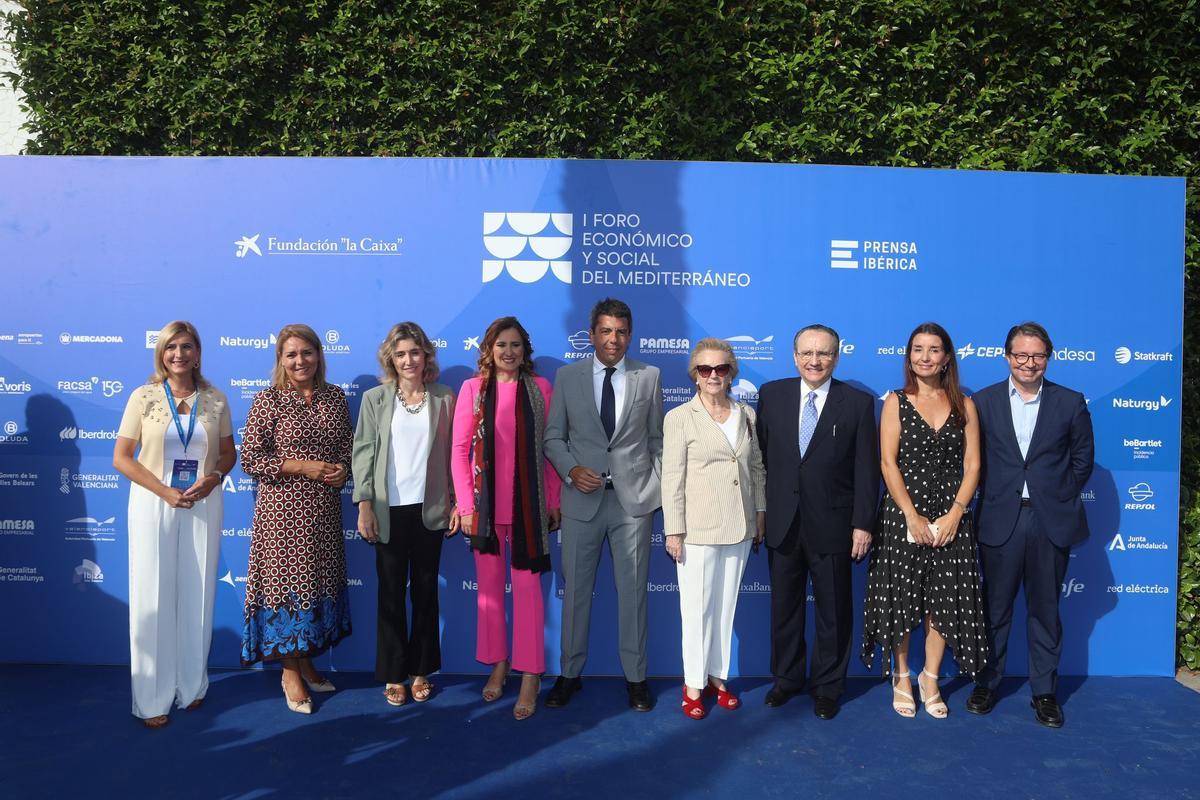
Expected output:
(99, 253)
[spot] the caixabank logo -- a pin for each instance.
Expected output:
(527, 245)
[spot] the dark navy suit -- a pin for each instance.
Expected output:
(1029, 541)
(813, 504)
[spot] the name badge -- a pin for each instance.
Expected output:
(183, 474)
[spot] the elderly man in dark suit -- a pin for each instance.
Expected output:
(821, 451)
(1037, 455)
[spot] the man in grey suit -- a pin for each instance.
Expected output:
(604, 436)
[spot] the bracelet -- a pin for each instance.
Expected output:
(960, 505)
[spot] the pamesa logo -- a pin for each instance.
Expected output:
(510, 236)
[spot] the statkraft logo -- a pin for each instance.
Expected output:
(255, 342)
(872, 254)
(527, 245)
(87, 338)
(1124, 355)
(14, 387)
(1140, 494)
(1136, 404)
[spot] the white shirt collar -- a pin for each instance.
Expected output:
(1013, 390)
(822, 390)
(598, 366)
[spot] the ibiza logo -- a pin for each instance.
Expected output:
(87, 572)
(744, 391)
(247, 244)
(527, 245)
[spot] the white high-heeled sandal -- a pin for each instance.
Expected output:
(934, 705)
(299, 706)
(909, 709)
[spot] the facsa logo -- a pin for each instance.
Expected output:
(107, 388)
(1142, 405)
(527, 231)
(88, 571)
(15, 387)
(247, 244)
(969, 349)
(1140, 492)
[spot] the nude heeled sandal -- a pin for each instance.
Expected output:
(909, 709)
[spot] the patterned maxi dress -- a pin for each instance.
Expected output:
(296, 590)
(908, 581)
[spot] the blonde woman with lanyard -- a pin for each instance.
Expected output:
(183, 429)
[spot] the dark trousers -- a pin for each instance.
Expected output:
(407, 563)
(1027, 557)
(791, 565)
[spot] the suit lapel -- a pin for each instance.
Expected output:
(791, 415)
(708, 428)
(387, 407)
(825, 422)
(631, 382)
(1045, 408)
(587, 391)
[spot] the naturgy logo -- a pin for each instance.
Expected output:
(527, 231)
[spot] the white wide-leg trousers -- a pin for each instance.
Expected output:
(172, 585)
(709, 578)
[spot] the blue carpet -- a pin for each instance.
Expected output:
(66, 731)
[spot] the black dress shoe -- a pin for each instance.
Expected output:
(982, 700)
(1047, 710)
(825, 707)
(561, 691)
(777, 696)
(639, 695)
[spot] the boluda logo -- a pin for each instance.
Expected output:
(1142, 405)
(333, 345)
(547, 235)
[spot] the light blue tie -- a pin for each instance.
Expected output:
(808, 422)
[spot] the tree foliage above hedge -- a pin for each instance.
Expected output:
(1101, 86)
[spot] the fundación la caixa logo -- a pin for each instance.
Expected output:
(527, 245)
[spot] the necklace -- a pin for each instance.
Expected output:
(413, 409)
(720, 413)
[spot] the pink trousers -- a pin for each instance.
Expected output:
(529, 612)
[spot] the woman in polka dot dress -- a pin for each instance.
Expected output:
(297, 444)
(923, 568)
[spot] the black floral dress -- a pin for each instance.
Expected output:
(909, 581)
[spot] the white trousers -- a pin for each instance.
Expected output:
(709, 578)
(172, 585)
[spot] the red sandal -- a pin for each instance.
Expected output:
(693, 709)
(725, 699)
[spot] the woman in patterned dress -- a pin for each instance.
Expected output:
(923, 569)
(297, 444)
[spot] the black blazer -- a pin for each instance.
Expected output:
(1059, 462)
(836, 487)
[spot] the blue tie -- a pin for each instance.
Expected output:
(808, 422)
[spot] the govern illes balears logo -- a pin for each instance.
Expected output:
(527, 245)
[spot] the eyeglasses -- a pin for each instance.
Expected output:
(706, 370)
(816, 355)
(1024, 358)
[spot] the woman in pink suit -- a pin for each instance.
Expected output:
(507, 495)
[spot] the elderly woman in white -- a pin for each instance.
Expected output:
(714, 497)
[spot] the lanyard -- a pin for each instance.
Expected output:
(175, 415)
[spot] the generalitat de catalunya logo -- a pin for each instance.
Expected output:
(527, 245)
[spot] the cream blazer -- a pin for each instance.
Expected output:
(710, 491)
(147, 416)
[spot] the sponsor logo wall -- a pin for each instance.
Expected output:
(743, 253)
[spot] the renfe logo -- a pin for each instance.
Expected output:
(530, 229)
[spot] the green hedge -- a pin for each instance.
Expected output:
(1084, 86)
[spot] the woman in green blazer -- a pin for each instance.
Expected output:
(401, 467)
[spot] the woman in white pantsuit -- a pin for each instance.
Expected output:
(713, 500)
(181, 430)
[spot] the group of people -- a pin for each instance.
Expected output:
(512, 458)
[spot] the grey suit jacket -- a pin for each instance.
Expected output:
(711, 491)
(575, 437)
(372, 440)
